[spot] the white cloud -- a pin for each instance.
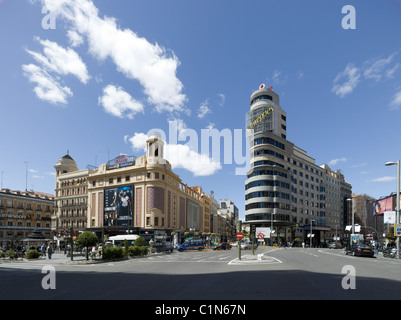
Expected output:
(346, 81)
(335, 161)
(277, 78)
(222, 99)
(203, 110)
(358, 165)
(119, 103)
(75, 38)
(211, 125)
(396, 101)
(47, 88)
(375, 69)
(133, 56)
(179, 156)
(61, 61)
(383, 179)
(138, 141)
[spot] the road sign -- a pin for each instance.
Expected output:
(239, 235)
(397, 230)
(261, 235)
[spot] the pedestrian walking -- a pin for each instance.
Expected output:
(43, 250)
(49, 251)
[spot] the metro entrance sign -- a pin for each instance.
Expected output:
(239, 235)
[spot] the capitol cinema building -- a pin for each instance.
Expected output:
(128, 195)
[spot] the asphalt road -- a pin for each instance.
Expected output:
(283, 274)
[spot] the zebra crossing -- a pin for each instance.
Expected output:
(190, 257)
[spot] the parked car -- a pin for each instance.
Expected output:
(223, 246)
(247, 245)
(334, 245)
(191, 245)
(360, 250)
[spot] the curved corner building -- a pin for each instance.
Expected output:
(284, 186)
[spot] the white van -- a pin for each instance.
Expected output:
(119, 240)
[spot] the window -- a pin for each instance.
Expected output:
(263, 97)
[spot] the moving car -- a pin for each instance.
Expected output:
(360, 250)
(191, 245)
(223, 246)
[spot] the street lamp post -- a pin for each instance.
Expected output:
(397, 213)
(271, 229)
(353, 217)
(311, 222)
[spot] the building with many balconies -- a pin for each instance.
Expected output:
(284, 186)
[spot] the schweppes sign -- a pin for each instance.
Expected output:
(259, 119)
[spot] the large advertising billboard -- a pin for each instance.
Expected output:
(118, 206)
(383, 205)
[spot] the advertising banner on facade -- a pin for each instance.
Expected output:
(383, 205)
(120, 162)
(118, 206)
(389, 217)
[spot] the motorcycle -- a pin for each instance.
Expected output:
(390, 252)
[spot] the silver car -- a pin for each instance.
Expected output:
(246, 245)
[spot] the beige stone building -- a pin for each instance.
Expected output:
(71, 198)
(22, 212)
(130, 195)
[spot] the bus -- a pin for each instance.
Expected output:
(119, 240)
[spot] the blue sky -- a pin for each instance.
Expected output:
(107, 72)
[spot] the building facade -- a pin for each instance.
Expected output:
(22, 212)
(364, 215)
(71, 198)
(284, 186)
(131, 195)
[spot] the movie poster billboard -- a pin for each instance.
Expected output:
(118, 206)
(383, 205)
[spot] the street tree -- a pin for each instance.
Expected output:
(86, 240)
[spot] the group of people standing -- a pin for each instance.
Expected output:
(46, 248)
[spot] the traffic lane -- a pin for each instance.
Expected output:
(335, 262)
(367, 266)
(236, 282)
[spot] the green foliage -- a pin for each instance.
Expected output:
(137, 250)
(32, 254)
(86, 240)
(145, 250)
(11, 254)
(2, 254)
(134, 251)
(140, 242)
(113, 253)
